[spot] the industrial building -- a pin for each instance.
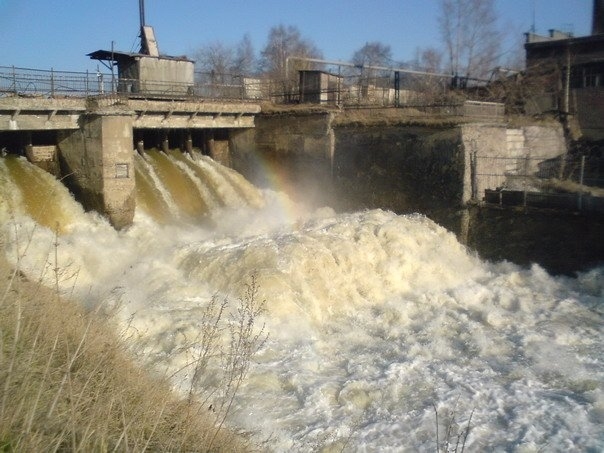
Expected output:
(566, 74)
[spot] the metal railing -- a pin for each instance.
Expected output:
(34, 82)
(573, 183)
(22, 81)
(423, 96)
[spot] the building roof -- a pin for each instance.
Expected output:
(583, 50)
(545, 42)
(119, 57)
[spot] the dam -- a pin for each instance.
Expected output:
(356, 231)
(90, 130)
(84, 127)
(374, 318)
(102, 147)
(91, 139)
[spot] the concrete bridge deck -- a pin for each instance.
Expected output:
(21, 113)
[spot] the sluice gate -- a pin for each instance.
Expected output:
(91, 141)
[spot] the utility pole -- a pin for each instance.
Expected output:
(113, 90)
(567, 81)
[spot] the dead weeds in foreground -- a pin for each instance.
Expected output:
(67, 383)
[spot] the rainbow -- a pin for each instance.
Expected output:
(275, 177)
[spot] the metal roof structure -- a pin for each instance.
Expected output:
(118, 57)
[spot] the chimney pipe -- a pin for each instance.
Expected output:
(597, 26)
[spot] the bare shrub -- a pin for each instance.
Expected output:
(455, 436)
(67, 382)
(224, 348)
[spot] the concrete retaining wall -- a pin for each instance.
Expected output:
(307, 135)
(400, 167)
(403, 168)
(493, 153)
(562, 242)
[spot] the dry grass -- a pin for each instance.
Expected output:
(67, 383)
(390, 116)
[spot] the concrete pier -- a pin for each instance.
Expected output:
(99, 162)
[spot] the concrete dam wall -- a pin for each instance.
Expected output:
(437, 170)
(352, 164)
(322, 158)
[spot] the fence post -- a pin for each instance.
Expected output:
(14, 80)
(52, 83)
(525, 179)
(397, 89)
(473, 169)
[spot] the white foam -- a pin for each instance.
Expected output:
(373, 319)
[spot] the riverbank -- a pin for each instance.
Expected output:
(69, 383)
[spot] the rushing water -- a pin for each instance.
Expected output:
(375, 321)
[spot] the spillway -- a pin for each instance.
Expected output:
(375, 321)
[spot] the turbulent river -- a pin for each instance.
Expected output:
(374, 323)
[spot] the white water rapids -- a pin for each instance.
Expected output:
(374, 319)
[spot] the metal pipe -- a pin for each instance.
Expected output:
(113, 87)
(141, 10)
(352, 65)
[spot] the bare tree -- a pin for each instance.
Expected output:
(216, 59)
(366, 58)
(284, 42)
(245, 59)
(429, 87)
(373, 54)
(470, 36)
(429, 60)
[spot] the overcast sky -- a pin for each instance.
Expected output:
(58, 34)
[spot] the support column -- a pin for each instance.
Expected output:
(209, 142)
(219, 149)
(100, 159)
(165, 143)
(189, 142)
